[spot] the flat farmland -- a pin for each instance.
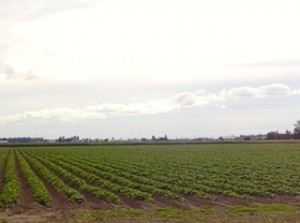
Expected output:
(255, 182)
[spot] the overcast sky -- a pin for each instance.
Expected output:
(137, 68)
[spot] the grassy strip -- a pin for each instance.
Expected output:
(265, 208)
(174, 215)
(11, 189)
(40, 194)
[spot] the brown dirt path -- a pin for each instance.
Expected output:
(284, 199)
(131, 203)
(166, 202)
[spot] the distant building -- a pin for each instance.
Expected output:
(227, 138)
(71, 139)
(253, 137)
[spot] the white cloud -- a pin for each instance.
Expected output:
(178, 101)
(9, 73)
(107, 110)
(295, 92)
(184, 100)
(56, 114)
(274, 90)
(263, 91)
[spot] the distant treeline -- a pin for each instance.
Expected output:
(277, 135)
(22, 140)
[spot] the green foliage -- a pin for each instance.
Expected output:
(121, 186)
(297, 128)
(120, 178)
(11, 188)
(56, 182)
(39, 191)
(203, 171)
(82, 171)
(273, 135)
(58, 166)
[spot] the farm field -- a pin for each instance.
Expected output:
(257, 182)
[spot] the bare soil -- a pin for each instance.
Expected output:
(165, 202)
(131, 203)
(230, 201)
(284, 199)
(62, 210)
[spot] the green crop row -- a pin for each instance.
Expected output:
(73, 195)
(185, 184)
(11, 188)
(236, 170)
(163, 181)
(100, 179)
(122, 179)
(167, 189)
(93, 178)
(39, 191)
(77, 182)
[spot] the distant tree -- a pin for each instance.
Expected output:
(166, 138)
(288, 132)
(273, 135)
(297, 127)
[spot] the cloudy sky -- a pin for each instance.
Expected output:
(137, 68)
